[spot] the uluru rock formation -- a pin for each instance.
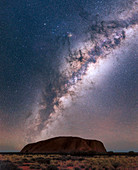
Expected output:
(65, 144)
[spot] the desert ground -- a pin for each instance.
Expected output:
(65, 162)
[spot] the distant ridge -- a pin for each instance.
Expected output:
(65, 144)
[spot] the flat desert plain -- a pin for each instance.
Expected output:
(65, 162)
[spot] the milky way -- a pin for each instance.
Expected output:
(81, 66)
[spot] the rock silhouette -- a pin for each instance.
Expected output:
(65, 144)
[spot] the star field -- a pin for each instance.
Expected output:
(68, 68)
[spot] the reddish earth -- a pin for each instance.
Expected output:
(65, 144)
(26, 167)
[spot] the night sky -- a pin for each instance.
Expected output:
(69, 68)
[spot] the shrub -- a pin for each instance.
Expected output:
(110, 153)
(82, 166)
(52, 167)
(34, 167)
(76, 168)
(116, 164)
(25, 160)
(5, 165)
(131, 153)
(32, 160)
(41, 160)
(70, 164)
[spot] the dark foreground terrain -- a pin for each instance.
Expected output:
(14, 161)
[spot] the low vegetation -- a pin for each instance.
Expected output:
(56, 161)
